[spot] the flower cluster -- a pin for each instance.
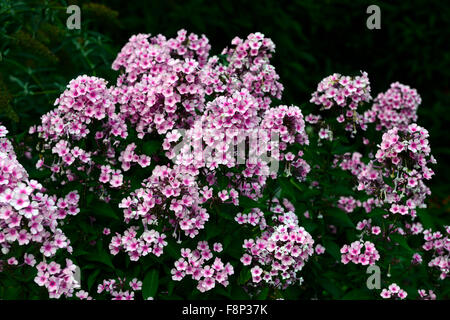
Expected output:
(402, 159)
(208, 111)
(57, 280)
(197, 264)
(346, 92)
(397, 107)
(150, 241)
(128, 156)
(348, 204)
(248, 67)
(118, 289)
(393, 291)
(170, 193)
(161, 88)
(414, 228)
(85, 110)
(353, 253)
(210, 141)
(142, 55)
(254, 218)
(228, 123)
(439, 245)
(27, 215)
(238, 115)
(279, 254)
(409, 153)
(288, 123)
(366, 224)
(342, 91)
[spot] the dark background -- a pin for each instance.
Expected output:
(314, 38)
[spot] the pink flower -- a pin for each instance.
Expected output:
(320, 249)
(394, 288)
(217, 247)
(385, 294)
(376, 230)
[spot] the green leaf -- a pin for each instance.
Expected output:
(425, 219)
(389, 181)
(330, 287)
(341, 216)
(357, 294)
(246, 202)
(377, 212)
(171, 286)
(238, 293)
(296, 185)
(309, 225)
(170, 249)
(102, 257)
(226, 211)
(377, 215)
(103, 209)
(263, 294)
(150, 284)
(288, 188)
(226, 293)
(213, 230)
(333, 249)
(244, 276)
(92, 277)
(340, 149)
(401, 241)
(151, 147)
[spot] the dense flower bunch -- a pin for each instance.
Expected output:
(263, 184)
(228, 122)
(142, 55)
(354, 253)
(212, 137)
(150, 241)
(58, 281)
(211, 142)
(83, 128)
(397, 107)
(254, 218)
(248, 67)
(161, 88)
(29, 217)
(243, 88)
(169, 194)
(393, 291)
(198, 264)
(403, 157)
(348, 204)
(279, 254)
(439, 245)
(410, 153)
(347, 93)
